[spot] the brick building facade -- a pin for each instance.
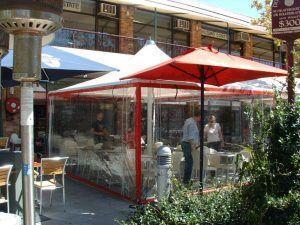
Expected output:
(126, 28)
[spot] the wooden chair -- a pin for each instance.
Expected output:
(50, 169)
(5, 172)
(4, 143)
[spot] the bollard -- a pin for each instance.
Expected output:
(163, 172)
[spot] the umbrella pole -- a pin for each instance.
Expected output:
(202, 80)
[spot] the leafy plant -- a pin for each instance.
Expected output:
(272, 196)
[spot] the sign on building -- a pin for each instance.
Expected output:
(214, 34)
(72, 5)
(286, 19)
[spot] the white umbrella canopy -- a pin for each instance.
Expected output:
(150, 55)
(270, 83)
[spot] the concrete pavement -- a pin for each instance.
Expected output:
(84, 206)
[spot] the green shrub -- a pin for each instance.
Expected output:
(272, 198)
(182, 207)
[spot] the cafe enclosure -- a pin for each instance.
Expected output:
(140, 116)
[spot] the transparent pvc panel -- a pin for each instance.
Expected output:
(96, 131)
(230, 127)
(239, 118)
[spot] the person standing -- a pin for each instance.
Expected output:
(213, 134)
(190, 140)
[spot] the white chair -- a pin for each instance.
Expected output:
(5, 172)
(94, 162)
(119, 174)
(82, 161)
(228, 165)
(50, 169)
(211, 162)
(177, 157)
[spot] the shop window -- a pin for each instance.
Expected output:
(236, 49)
(79, 21)
(180, 39)
(88, 6)
(144, 17)
(168, 39)
(144, 27)
(77, 33)
(220, 45)
(107, 39)
(263, 50)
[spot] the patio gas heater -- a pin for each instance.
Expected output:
(4, 44)
(29, 21)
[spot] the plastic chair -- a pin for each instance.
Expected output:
(228, 165)
(211, 162)
(51, 167)
(176, 161)
(5, 172)
(81, 161)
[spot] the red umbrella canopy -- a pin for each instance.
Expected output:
(217, 68)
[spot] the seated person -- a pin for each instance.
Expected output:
(98, 129)
(129, 138)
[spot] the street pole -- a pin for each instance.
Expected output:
(290, 67)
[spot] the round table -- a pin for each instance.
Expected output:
(10, 219)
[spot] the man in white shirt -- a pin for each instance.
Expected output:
(190, 140)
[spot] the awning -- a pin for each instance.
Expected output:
(59, 63)
(150, 55)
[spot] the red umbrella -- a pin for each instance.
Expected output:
(208, 66)
(215, 67)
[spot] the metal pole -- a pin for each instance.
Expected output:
(155, 25)
(27, 69)
(27, 151)
(202, 79)
(228, 39)
(290, 77)
(150, 102)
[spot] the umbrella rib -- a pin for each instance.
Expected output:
(186, 72)
(215, 73)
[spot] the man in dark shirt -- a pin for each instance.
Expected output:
(99, 130)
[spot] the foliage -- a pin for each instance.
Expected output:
(274, 170)
(183, 208)
(272, 198)
(254, 113)
(264, 8)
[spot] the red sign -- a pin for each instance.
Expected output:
(286, 19)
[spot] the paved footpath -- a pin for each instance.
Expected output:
(84, 206)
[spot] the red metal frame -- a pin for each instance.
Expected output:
(138, 149)
(98, 186)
